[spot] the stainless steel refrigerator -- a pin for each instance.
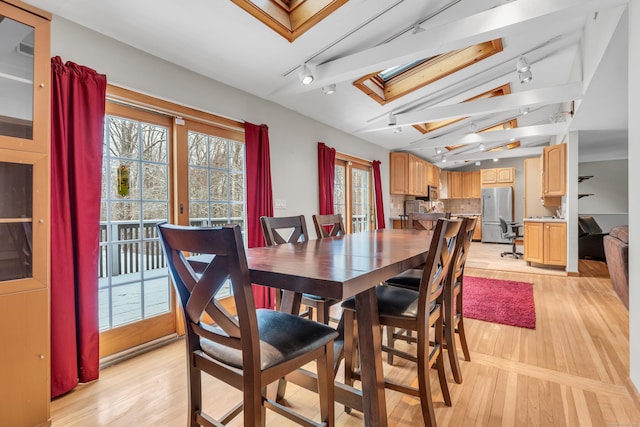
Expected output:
(496, 202)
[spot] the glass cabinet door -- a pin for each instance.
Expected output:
(23, 231)
(24, 86)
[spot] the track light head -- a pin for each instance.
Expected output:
(525, 77)
(391, 120)
(305, 75)
(328, 90)
(522, 65)
(397, 129)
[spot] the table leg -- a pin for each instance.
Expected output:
(370, 345)
(290, 303)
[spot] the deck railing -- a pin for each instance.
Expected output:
(134, 248)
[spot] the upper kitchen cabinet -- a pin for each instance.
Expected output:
(497, 176)
(554, 170)
(411, 175)
(471, 185)
(24, 79)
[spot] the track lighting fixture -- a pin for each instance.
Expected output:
(525, 77)
(397, 129)
(473, 127)
(522, 66)
(524, 70)
(392, 120)
(482, 147)
(525, 111)
(328, 90)
(417, 29)
(305, 75)
(444, 159)
(477, 162)
(438, 150)
(495, 160)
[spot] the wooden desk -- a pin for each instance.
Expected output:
(339, 268)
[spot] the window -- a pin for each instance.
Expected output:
(390, 84)
(353, 193)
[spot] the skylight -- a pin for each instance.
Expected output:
(390, 84)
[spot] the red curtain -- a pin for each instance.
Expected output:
(377, 185)
(259, 197)
(326, 176)
(77, 127)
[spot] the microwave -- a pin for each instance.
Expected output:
(432, 194)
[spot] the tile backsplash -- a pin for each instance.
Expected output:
(463, 206)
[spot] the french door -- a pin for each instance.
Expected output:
(353, 194)
(157, 168)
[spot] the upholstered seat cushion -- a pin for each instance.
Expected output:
(621, 233)
(282, 337)
(393, 302)
(409, 279)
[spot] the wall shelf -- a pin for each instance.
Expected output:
(584, 178)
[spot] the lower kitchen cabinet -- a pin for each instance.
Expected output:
(545, 242)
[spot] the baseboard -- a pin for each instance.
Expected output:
(113, 359)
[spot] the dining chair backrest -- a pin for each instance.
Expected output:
(286, 229)
(436, 267)
(465, 236)
(425, 221)
(198, 292)
(328, 225)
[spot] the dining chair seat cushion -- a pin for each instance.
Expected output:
(409, 279)
(314, 297)
(282, 337)
(393, 302)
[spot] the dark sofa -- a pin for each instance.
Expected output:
(590, 235)
(616, 247)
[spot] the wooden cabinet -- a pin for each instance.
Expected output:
(24, 219)
(545, 242)
(554, 170)
(497, 176)
(410, 175)
(477, 232)
(471, 185)
(455, 185)
(399, 173)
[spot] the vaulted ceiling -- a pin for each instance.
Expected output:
(221, 40)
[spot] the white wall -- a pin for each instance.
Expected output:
(293, 137)
(634, 202)
(609, 186)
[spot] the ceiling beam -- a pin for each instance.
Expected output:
(491, 137)
(530, 98)
(494, 23)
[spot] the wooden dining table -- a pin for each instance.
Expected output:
(339, 268)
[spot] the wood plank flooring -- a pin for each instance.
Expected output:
(572, 370)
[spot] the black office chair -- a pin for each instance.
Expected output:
(511, 231)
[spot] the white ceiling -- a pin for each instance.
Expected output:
(221, 41)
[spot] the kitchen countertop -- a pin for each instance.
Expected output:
(545, 219)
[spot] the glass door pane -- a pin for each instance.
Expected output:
(16, 78)
(361, 216)
(134, 282)
(16, 184)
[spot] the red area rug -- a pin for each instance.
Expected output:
(499, 301)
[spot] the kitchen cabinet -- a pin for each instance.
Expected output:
(24, 219)
(497, 176)
(471, 185)
(554, 170)
(545, 242)
(455, 185)
(477, 232)
(410, 175)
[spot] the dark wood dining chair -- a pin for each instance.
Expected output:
(247, 351)
(418, 311)
(328, 225)
(425, 221)
(453, 313)
(293, 229)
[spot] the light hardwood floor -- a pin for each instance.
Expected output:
(571, 371)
